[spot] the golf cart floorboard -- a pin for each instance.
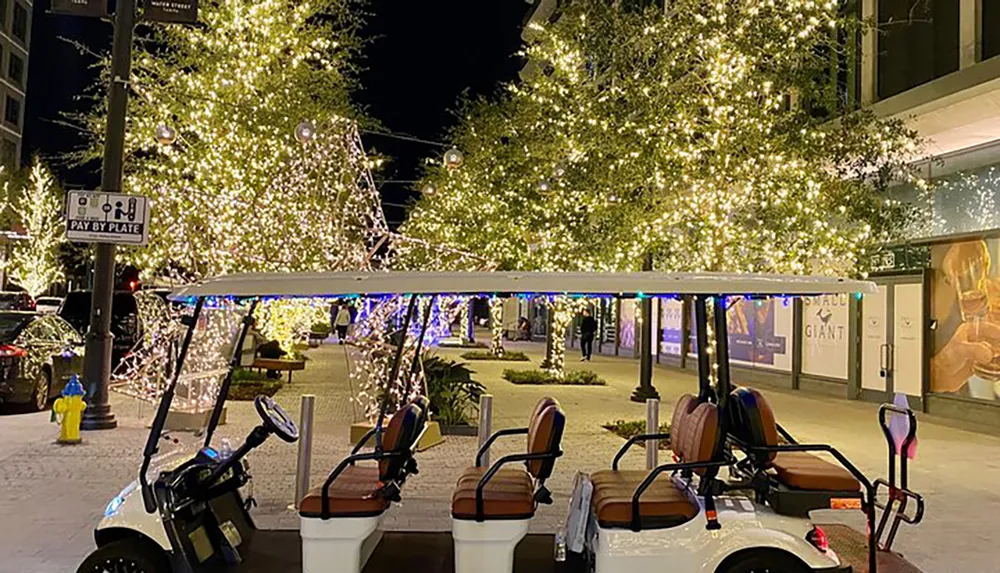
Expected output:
(281, 552)
(852, 548)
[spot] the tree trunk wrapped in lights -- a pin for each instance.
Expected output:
(496, 325)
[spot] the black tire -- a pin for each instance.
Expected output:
(129, 555)
(40, 395)
(763, 561)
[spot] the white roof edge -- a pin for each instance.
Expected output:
(303, 285)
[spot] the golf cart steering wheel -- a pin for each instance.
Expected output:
(276, 420)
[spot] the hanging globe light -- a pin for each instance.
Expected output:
(305, 132)
(560, 171)
(165, 135)
(544, 186)
(428, 189)
(453, 158)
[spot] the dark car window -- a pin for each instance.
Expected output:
(124, 314)
(11, 326)
(52, 329)
(12, 301)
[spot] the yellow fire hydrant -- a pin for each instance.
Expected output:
(68, 412)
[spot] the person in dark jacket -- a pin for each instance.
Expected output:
(588, 328)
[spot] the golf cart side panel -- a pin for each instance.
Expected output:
(126, 511)
(692, 547)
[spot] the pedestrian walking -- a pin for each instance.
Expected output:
(588, 328)
(342, 322)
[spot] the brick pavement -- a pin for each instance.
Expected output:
(51, 496)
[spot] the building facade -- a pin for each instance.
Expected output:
(15, 42)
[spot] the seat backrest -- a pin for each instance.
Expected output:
(401, 433)
(700, 440)
(685, 405)
(751, 419)
(540, 407)
(424, 404)
(545, 436)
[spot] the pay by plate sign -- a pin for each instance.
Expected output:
(99, 217)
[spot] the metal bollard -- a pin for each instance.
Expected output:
(652, 427)
(485, 423)
(304, 462)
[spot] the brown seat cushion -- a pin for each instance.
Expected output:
(661, 505)
(685, 405)
(805, 471)
(355, 493)
(508, 495)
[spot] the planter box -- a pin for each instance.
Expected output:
(460, 430)
(431, 438)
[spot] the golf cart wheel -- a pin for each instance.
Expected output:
(126, 556)
(40, 396)
(763, 562)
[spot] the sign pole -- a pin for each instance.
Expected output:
(97, 362)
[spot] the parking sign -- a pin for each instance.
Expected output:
(99, 217)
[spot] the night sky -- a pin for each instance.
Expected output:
(422, 56)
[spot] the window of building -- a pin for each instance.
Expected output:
(4, 9)
(12, 110)
(917, 42)
(990, 15)
(8, 153)
(15, 69)
(19, 24)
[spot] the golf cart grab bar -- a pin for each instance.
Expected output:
(846, 463)
(635, 440)
(349, 461)
(364, 440)
(480, 513)
(784, 434)
(911, 436)
(486, 446)
(655, 472)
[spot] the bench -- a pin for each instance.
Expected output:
(279, 365)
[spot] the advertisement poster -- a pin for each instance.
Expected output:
(670, 317)
(626, 327)
(965, 308)
(760, 333)
(825, 325)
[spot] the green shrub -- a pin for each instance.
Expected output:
(505, 357)
(544, 377)
(248, 384)
(321, 330)
(453, 394)
(630, 428)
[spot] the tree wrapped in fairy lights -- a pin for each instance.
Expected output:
(712, 137)
(38, 205)
(242, 132)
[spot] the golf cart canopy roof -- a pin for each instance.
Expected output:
(304, 285)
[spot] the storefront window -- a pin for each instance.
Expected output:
(990, 28)
(918, 42)
(964, 202)
(965, 314)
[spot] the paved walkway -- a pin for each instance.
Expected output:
(53, 496)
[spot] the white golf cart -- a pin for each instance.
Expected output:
(735, 500)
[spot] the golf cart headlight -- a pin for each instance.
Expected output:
(113, 506)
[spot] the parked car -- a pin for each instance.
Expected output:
(16, 300)
(125, 324)
(38, 355)
(48, 304)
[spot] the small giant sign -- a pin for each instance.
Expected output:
(92, 8)
(99, 217)
(178, 11)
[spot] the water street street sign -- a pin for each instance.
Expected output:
(99, 217)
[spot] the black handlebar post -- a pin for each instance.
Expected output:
(722, 349)
(701, 334)
(486, 446)
(394, 372)
(161, 413)
(220, 401)
(420, 346)
(636, 524)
